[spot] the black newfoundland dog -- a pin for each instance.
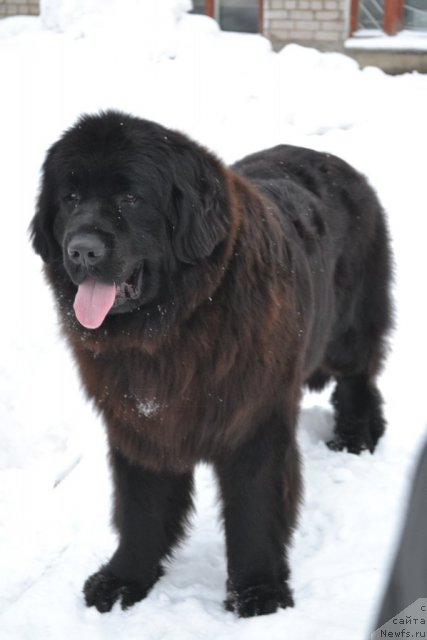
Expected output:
(198, 300)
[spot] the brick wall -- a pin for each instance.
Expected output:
(318, 23)
(19, 7)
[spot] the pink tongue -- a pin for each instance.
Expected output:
(93, 301)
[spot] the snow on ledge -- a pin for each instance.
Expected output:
(377, 40)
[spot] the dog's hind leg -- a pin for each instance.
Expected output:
(359, 421)
(355, 357)
(356, 351)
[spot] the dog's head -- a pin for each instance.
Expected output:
(124, 204)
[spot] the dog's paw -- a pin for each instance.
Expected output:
(353, 444)
(103, 589)
(258, 600)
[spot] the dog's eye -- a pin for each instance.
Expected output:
(130, 198)
(72, 198)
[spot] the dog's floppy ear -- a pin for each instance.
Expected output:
(201, 206)
(41, 226)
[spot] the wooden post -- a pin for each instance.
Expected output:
(393, 16)
(210, 8)
(354, 16)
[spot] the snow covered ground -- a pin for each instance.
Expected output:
(232, 93)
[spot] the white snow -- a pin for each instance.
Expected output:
(409, 41)
(147, 408)
(233, 94)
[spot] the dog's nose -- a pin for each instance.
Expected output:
(86, 249)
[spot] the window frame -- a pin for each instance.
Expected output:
(211, 11)
(392, 21)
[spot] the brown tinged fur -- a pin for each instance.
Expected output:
(201, 371)
(257, 279)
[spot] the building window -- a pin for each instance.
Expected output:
(199, 6)
(233, 15)
(415, 15)
(371, 14)
(390, 16)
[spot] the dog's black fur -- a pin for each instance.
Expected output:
(235, 287)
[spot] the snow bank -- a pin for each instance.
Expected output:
(150, 25)
(111, 14)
